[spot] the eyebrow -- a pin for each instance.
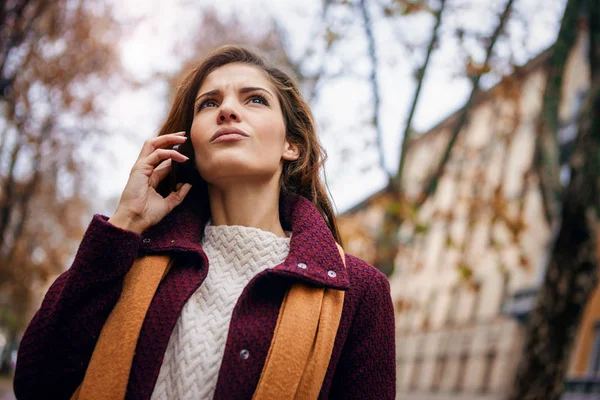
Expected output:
(241, 91)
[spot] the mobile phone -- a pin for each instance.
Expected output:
(178, 173)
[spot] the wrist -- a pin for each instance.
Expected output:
(126, 222)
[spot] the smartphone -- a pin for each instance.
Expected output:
(178, 173)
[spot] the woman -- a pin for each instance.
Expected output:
(252, 219)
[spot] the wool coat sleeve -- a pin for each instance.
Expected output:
(367, 366)
(58, 343)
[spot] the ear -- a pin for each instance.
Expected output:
(291, 152)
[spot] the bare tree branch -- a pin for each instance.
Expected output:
(374, 83)
(23, 15)
(8, 191)
(431, 184)
(397, 182)
(296, 66)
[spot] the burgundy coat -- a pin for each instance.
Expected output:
(59, 341)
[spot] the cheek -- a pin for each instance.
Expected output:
(197, 128)
(274, 133)
(197, 136)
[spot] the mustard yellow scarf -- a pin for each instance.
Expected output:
(296, 362)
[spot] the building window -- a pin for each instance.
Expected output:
(429, 312)
(399, 369)
(594, 367)
(462, 368)
(505, 287)
(453, 303)
(476, 291)
(490, 360)
(438, 373)
(416, 372)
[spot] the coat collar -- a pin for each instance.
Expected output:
(313, 255)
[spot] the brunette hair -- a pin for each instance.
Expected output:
(301, 176)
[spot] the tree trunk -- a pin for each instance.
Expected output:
(572, 270)
(546, 159)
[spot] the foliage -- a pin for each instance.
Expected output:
(55, 58)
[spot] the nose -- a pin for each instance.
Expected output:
(228, 113)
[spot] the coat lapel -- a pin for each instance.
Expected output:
(313, 255)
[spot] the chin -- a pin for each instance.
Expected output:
(237, 170)
(238, 173)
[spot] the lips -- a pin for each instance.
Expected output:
(227, 134)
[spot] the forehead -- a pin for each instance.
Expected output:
(235, 75)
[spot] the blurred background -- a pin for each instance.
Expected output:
(464, 161)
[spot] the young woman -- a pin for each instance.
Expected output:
(252, 219)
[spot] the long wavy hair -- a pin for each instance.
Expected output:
(301, 176)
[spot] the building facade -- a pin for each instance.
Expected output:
(473, 255)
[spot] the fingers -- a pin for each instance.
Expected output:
(160, 173)
(161, 142)
(160, 155)
(175, 198)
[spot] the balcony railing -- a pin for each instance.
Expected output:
(582, 388)
(520, 303)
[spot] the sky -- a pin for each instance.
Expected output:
(154, 43)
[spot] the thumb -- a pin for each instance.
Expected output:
(175, 198)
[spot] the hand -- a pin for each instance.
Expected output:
(140, 206)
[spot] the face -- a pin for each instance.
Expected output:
(238, 132)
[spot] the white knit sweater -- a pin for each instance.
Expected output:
(193, 357)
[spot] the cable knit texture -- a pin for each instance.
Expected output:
(193, 357)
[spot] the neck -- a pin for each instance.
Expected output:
(247, 204)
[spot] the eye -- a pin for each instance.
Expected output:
(201, 105)
(253, 98)
(260, 98)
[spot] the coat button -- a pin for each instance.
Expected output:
(302, 265)
(244, 354)
(146, 240)
(331, 274)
